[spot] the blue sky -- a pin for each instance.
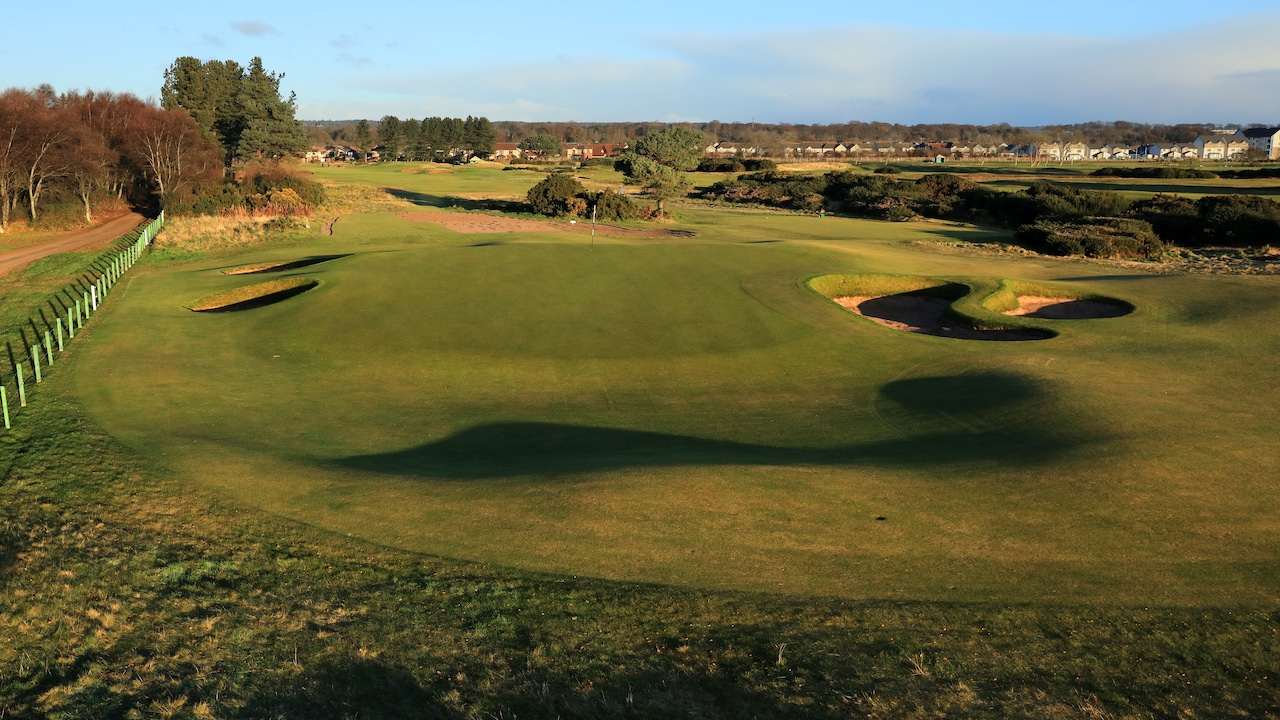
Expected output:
(909, 61)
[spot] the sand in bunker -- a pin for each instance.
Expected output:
(925, 315)
(1050, 308)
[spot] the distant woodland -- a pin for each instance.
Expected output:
(768, 135)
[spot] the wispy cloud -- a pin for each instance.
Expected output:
(343, 41)
(354, 60)
(1216, 72)
(253, 28)
(212, 39)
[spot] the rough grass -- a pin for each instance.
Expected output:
(128, 593)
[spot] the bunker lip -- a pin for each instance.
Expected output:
(481, 223)
(1067, 308)
(925, 314)
(265, 268)
(253, 296)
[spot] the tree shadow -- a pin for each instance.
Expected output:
(986, 418)
(449, 201)
(348, 688)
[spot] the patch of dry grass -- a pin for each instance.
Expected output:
(348, 198)
(203, 233)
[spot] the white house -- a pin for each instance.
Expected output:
(1265, 139)
(1220, 147)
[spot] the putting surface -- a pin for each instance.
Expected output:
(688, 411)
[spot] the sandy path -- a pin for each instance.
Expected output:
(99, 235)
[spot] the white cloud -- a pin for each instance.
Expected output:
(1220, 72)
(253, 28)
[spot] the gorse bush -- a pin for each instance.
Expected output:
(269, 192)
(1050, 217)
(1094, 237)
(561, 194)
(1161, 173)
(551, 195)
(720, 165)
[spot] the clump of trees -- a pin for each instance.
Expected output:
(93, 148)
(722, 165)
(560, 194)
(239, 107)
(434, 138)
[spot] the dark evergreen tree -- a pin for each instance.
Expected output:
(390, 137)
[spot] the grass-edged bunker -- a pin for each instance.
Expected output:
(254, 296)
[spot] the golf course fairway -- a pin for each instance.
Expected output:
(690, 411)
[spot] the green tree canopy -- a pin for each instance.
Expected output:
(240, 107)
(657, 162)
(543, 144)
(678, 148)
(390, 137)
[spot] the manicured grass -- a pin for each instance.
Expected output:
(689, 412)
(696, 485)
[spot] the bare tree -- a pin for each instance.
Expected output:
(175, 154)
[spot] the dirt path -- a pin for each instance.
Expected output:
(99, 235)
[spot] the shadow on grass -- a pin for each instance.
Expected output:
(448, 201)
(988, 418)
(285, 266)
(349, 688)
(261, 300)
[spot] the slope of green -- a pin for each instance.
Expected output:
(690, 412)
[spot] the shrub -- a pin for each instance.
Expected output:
(1238, 220)
(612, 207)
(1164, 173)
(1173, 217)
(720, 165)
(759, 164)
(1094, 237)
(551, 196)
(888, 170)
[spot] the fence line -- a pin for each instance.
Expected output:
(85, 298)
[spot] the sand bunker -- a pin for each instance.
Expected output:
(480, 223)
(253, 296)
(1051, 308)
(924, 314)
(263, 268)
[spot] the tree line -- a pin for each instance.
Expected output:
(775, 136)
(432, 138)
(95, 147)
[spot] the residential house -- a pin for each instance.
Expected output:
(1265, 139)
(506, 150)
(1220, 147)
